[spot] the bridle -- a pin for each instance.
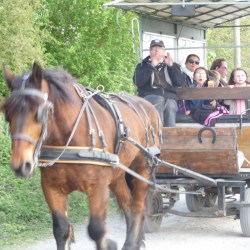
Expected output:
(42, 116)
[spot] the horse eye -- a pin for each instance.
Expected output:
(7, 118)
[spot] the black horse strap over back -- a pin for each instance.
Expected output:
(93, 155)
(121, 128)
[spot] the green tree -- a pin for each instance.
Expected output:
(225, 37)
(219, 37)
(245, 40)
(20, 36)
(86, 40)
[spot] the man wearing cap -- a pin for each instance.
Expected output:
(156, 78)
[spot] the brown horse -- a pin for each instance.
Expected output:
(82, 142)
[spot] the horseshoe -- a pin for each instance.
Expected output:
(207, 128)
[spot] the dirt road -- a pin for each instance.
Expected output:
(178, 233)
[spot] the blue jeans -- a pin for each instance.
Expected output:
(167, 109)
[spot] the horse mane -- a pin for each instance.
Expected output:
(60, 82)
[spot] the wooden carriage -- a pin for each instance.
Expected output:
(210, 150)
(221, 153)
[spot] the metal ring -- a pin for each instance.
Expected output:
(100, 88)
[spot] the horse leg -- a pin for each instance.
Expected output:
(98, 202)
(135, 234)
(62, 230)
(123, 193)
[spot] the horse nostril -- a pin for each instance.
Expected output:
(27, 169)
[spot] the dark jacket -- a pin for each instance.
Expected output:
(187, 80)
(144, 78)
(192, 105)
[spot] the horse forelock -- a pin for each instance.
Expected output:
(19, 105)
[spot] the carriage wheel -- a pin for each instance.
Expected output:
(245, 215)
(154, 207)
(210, 199)
(194, 202)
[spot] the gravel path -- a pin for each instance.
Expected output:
(178, 233)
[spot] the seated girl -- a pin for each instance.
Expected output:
(201, 79)
(205, 111)
(238, 78)
(186, 107)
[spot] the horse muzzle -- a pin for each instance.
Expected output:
(22, 161)
(24, 169)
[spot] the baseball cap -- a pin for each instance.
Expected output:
(157, 42)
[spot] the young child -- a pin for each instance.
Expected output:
(214, 79)
(200, 80)
(238, 78)
(205, 111)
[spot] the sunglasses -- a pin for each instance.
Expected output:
(192, 62)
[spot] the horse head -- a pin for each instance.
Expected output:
(26, 111)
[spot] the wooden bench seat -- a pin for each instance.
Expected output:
(215, 93)
(225, 93)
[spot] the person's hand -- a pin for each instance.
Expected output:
(168, 60)
(156, 60)
(213, 103)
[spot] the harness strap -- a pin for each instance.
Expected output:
(91, 130)
(121, 128)
(89, 110)
(75, 155)
(129, 103)
(121, 125)
(31, 92)
(100, 132)
(25, 137)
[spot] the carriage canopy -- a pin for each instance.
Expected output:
(182, 24)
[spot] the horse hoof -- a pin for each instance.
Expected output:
(111, 245)
(143, 245)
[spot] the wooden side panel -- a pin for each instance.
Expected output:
(243, 138)
(220, 162)
(182, 147)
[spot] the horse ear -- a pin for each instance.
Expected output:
(9, 76)
(37, 75)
